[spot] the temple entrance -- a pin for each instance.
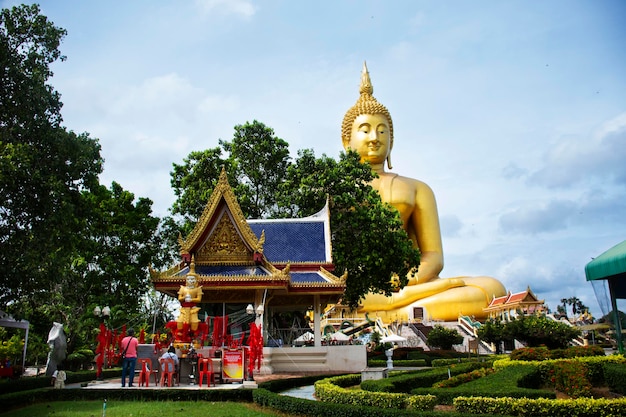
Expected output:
(418, 314)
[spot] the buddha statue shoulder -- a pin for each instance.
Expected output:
(367, 128)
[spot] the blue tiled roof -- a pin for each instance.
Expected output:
(230, 270)
(292, 241)
(225, 270)
(298, 277)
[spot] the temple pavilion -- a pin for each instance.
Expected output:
(279, 264)
(513, 304)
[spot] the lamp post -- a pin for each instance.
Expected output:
(103, 314)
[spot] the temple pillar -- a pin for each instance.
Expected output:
(317, 311)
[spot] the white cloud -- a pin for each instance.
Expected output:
(579, 159)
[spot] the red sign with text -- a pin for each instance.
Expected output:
(232, 364)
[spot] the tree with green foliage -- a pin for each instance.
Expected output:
(359, 219)
(443, 337)
(66, 242)
(576, 304)
(538, 330)
(259, 160)
(493, 331)
(43, 167)
(193, 182)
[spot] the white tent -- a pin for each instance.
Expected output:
(306, 337)
(393, 338)
(339, 337)
(8, 321)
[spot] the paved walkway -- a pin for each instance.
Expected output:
(116, 383)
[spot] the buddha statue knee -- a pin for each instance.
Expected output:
(367, 128)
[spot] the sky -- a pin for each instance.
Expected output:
(514, 112)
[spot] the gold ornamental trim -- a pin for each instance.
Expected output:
(334, 278)
(222, 191)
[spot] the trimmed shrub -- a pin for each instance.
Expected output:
(615, 377)
(581, 407)
(570, 377)
(406, 381)
(379, 363)
(43, 395)
(332, 390)
(540, 353)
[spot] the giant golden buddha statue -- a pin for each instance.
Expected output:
(368, 129)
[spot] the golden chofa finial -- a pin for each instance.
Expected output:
(366, 83)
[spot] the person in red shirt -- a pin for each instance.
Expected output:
(129, 349)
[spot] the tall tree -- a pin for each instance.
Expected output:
(108, 265)
(259, 159)
(43, 167)
(193, 182)
(358, 217)
(66, 242)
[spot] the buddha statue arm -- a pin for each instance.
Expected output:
(424, 229)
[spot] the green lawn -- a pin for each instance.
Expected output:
(143, 409)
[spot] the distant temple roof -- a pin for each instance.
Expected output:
(526, 301)
(231, 256)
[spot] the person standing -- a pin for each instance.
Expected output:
(129, 352)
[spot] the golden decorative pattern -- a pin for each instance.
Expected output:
(222, 192)
(224, 244)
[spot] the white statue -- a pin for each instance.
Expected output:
(58, 347)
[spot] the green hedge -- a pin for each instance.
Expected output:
(267, 395)
(30, 383)
(406, 381)
(615, 377)
(311, 408)
(580, 407)
(447, 362)
(332, 390)
(25, 398)
(379, 363)
(504, 383)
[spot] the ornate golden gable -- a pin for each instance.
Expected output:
(222, 237)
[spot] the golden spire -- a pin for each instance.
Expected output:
(192, 266)
(366, 83)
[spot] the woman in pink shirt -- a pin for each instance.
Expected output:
(129, 352)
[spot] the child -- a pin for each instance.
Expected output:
(58, 377)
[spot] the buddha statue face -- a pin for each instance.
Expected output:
(370, 138)
(367, 126)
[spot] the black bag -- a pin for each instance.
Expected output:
(123, 355)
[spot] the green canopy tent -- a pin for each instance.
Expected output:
(611, 266)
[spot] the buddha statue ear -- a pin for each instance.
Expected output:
(389, 160)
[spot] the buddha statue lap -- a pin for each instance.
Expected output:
(368, 129)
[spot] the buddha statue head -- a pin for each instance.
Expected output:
(369, 107)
